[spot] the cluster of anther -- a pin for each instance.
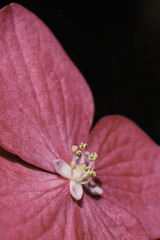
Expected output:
(80, 172)
(82, 164)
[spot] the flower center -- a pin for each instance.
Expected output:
(82, 164)
(80, 172)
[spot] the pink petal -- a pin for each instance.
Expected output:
(76, 190)
(103, 219)
(38, 205)
(62, 168)
(129, 169)
(33, 204)
(46, 105)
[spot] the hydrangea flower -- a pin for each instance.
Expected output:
(58, 180)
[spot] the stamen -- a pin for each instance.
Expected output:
(83, 145)
(84, 167)
(78, 153)
(92, 173)
(83, 156)
(73, 165)
(93, 156)
(74, 148)
(91, 165)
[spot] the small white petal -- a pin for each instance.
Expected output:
(62, 168)
(76, 190)
(93, 188)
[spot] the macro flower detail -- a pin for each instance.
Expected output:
(80, 172)
(53, 166)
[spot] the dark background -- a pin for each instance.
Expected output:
(117, 48)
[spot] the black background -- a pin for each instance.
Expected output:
(117, 48)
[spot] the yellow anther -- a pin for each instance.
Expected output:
(92, 173)
(73, 165)
(83, 145)
(84, 167)
(95, 155)
(78, 153)
(74, 148)
(92, 156)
